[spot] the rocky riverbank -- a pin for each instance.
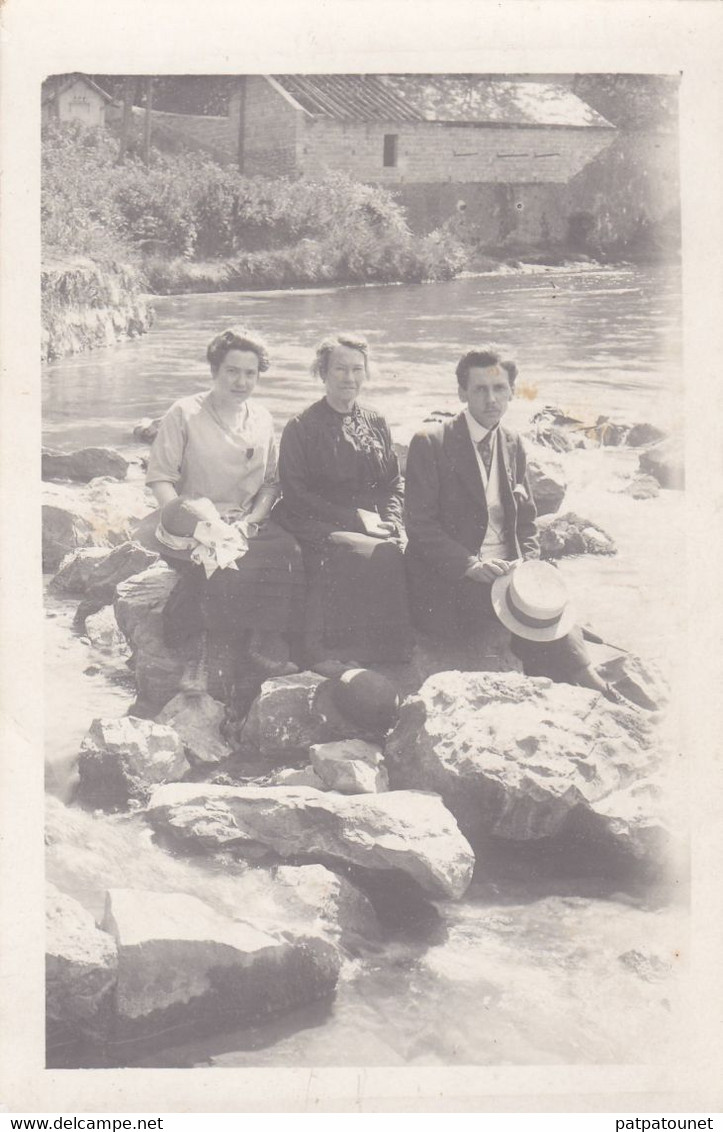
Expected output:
(226, 867)
(85, 305)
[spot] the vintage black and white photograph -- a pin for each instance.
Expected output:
(360, 609)
(362, 503)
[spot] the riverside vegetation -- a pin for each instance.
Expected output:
(183, 223)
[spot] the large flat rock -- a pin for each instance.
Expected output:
(407, 831)
(181, 962)
(522, 758)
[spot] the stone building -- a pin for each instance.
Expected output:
(74, 97)
(492, 152)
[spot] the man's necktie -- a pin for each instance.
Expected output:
(484, 448)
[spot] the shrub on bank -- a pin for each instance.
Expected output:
(195, 225)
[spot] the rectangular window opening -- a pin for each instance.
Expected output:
(390, 150)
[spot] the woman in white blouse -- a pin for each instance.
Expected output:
(219, 446)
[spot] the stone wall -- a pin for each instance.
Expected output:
(205, 132)
(271, 131)
(434, 152)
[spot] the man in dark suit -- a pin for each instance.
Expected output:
(470, 518)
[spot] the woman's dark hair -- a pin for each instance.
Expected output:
(323, 351)
(484, 357)
(237, 338)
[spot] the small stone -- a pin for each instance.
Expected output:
(147, 429)
(570, 534)
(350, 766)
(122, 759)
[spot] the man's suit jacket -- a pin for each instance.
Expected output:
(446, 519)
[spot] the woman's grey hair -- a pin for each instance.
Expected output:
(325, 347)
(237, 338)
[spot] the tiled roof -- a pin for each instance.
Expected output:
(439, 98)
(348, 98)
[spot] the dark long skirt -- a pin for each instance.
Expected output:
(266, 593)
(356, 599)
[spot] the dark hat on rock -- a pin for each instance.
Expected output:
(532, 601)
(366, 699)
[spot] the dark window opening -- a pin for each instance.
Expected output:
(390, 150)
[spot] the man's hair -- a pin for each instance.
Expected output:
(325, 347)
(237, 338)
(484, 357)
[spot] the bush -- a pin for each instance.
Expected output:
(260, 232)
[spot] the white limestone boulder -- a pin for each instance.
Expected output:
(102, 631)
(102, 513)
(80, 968)
(351, 766)
(290, 714)
(181, 962)
(124, 758)
(138, 605)
(197, 720)
(522, 758)
(407, 831)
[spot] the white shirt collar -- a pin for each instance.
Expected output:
(477, 431)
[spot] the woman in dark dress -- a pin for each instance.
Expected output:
(342, 501)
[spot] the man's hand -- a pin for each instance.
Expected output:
(486, 572)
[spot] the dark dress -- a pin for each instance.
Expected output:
(331, 464)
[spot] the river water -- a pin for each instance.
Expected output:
(593, 342)
(530, 967)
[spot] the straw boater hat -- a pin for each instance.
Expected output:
(532, 602)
